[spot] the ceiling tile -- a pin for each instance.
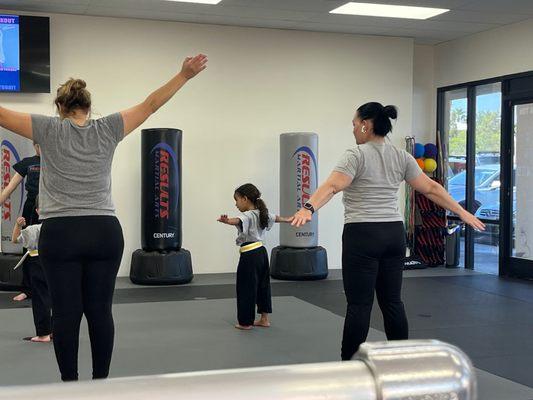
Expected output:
(505, 6)
(480, 17)
(466, 16)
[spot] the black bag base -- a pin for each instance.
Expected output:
(10, 279)
(414, 262)
(294, 264)
(161, 268)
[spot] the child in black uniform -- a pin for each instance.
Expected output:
(253, 272)
(28, 168)
(41, 303)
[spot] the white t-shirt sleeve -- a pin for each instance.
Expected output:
(21, 240)
(245, 222)
(29, 237)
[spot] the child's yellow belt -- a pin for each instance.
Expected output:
(33, 253)
(250, 247)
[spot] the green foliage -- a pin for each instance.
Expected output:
(488, 127)
(457, 135)
(487, 132)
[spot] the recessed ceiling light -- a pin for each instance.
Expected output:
(197, 1)
(384, 10)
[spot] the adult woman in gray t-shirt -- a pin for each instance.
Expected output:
(373, 241)
(81, 240)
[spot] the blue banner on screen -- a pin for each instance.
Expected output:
(9, 53)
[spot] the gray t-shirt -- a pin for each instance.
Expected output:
(76, 165)
(251, 231)
(29, 237)
(377, 171)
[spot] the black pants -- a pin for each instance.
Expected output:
(40, 302)
(373, 257)
(81, 257)
(30, 215)
(253, 286)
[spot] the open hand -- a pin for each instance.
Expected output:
(223, 218)
(472, 220)
(302, 217)
(192, 66)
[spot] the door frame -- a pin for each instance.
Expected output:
(516, 89)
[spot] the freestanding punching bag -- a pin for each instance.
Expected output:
(298, 257)
(161, 261)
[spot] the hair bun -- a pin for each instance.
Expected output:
(391, 112)
(72, 95)
(78, 84)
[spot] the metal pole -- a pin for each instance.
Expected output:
(415, 370)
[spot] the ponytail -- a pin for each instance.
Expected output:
(263, 213)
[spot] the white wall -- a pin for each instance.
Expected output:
(259, 84)
(424, 94)
(489, 54)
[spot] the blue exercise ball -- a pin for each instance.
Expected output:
(419, 150)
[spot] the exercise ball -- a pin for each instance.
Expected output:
(430, 165)
(421, 163)
(419, 150)
(430, 151)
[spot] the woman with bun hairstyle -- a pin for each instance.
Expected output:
(373, 241)
(81, 241)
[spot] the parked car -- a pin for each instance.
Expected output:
(486, 186)
(491, 212)
(487, 158)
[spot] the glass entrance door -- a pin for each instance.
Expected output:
(521, 194)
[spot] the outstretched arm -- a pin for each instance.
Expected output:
(17, 122)
(135, 116)
(336, 183)
(436, 193)
(229, 221)
(11, 186)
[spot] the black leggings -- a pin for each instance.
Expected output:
(81, 257)
(253, 286)
(40, 300)
(373, 256)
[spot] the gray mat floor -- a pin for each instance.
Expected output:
(177, 336)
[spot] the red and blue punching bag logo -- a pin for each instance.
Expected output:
(10, 156)
(306, 170)
(166, 181)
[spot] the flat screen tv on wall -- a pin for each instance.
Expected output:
(24, 54)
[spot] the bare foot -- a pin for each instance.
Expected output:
(41, 339)
(20, 297)
(264, 323)
(244, 327)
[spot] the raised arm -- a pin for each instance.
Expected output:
(16, 122)
(135, 116)
(436, 193)
(336, 183)
(21, 223)
(12, 185)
